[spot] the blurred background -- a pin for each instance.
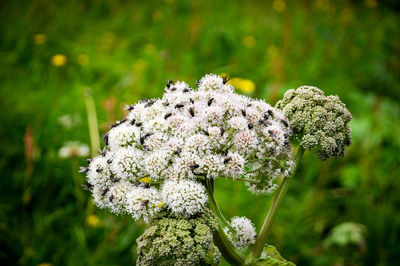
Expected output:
(63, 62)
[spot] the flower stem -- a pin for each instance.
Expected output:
(213, 205)
(93, 132)
(225, 246)
(258, 246)
(92, 121)
(221, 240)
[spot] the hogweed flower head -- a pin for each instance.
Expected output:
(245, 233)
(157, 158)
(318, 122)
(171, 240)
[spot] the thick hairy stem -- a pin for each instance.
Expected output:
(221, 240)
(258, 246)
(213, 204)
(215, 208)
(230, 254)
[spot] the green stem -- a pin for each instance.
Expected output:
(258, 246)
(213, 205)
(220, 239)
(229, 253)
(93, 132)
(92, 121)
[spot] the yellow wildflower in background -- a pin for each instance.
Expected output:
(279, 5)
(346, 15)
(323, 5)
(45, 264)
(93, 221)
(249, 41)
(107, 41)
(371, 3)
(150, 48)
(58, 60)
(83, 59)
(139, 66)
(157, 15)
(39, 39)
(243, 85)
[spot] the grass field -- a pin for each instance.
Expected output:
(58, 56)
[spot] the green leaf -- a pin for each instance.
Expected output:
(270, 256)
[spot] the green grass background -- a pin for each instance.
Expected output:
(126, 50)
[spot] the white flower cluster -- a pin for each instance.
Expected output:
(245, 233)
(184, 196)
(155, 156)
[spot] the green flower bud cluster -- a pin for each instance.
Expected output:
(174, 240)
(318, 122)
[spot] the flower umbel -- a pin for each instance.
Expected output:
(318, 122)
(160, 161)
(176, 241)
(245, 233)
(187, 136)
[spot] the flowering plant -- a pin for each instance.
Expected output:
(160, 162)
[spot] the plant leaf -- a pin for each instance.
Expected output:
(271, 256)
